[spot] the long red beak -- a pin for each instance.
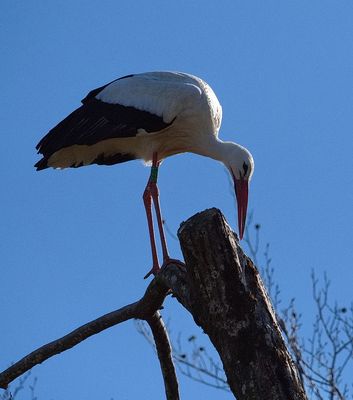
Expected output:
(241, 191)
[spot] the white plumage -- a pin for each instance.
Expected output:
(160, 93)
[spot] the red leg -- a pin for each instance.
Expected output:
(155, 196)
(147, 199)
(152, 193)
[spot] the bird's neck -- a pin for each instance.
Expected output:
(218, 150)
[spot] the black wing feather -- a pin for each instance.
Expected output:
(96, 121)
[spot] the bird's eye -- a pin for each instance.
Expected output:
(245, 168)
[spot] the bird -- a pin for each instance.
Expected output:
(148, 116)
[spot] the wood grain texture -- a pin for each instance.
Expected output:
(229, 302)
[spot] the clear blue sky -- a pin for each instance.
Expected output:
(74, 243)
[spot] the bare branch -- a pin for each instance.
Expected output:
(164, 352)
(322, 359)
(198, 365)
(144, 308)
(222, 290)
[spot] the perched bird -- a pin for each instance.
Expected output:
(148, 116)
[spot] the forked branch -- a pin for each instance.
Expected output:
(146, 308)
(223, 291)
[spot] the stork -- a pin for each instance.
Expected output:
(148, 116)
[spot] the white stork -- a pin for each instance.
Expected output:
(148, 116)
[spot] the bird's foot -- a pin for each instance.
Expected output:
(168, 261)
(154, 270)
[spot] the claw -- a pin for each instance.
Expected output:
(173, 261)
(154, 271)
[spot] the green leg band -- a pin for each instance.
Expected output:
(154, 174)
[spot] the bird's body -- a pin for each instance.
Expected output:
(156, 112)
(147, 116)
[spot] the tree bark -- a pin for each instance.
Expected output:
(224, 292)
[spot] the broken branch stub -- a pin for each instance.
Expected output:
(229, 302)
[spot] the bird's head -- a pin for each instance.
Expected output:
(240, 164)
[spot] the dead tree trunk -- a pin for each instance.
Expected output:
(223, 291)
(225, 294)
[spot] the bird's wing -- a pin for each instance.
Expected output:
(164, 94)
(121, 109)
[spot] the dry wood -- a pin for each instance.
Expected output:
(228, 300)
(223, 291)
